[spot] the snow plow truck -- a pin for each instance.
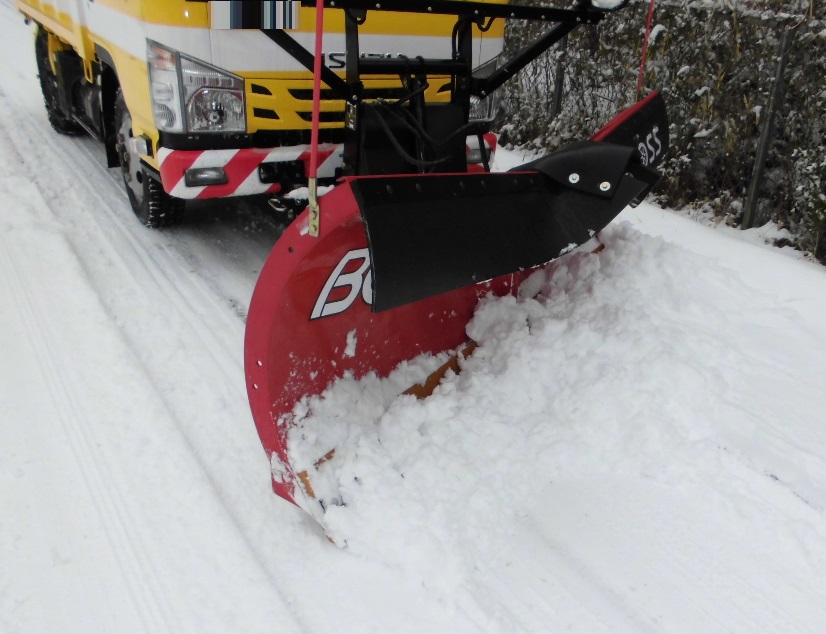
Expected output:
(389, 103)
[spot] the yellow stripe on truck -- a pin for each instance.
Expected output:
(167, 12)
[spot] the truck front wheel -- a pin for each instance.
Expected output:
(59, 119)
(151, 204)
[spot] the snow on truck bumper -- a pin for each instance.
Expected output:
(244, 172)
(203, 174)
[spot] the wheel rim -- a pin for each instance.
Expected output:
(130, 163)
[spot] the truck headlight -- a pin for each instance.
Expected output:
(189, 95)
(484, 109)
(214, 99)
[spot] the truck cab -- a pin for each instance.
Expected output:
(196, 99)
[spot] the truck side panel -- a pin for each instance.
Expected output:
(64, 18)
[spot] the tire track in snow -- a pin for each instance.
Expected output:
(182, 296)
(662, 556)
(206, 225)
(119, 249)
(160, 251)
(547, 583)
(147, 588)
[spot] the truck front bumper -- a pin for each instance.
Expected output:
(203, 174)
(200, 174)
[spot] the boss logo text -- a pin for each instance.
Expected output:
(349, 279)
(652, 148)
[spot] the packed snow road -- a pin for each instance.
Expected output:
(640, 449)
(135, 492)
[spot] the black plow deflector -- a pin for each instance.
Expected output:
(429, 234)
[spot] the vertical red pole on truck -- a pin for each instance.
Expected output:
(314, 215)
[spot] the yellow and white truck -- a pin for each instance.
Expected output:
(190, 102)
(200, 99)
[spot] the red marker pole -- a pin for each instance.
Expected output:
(645, 47)
(314, 213)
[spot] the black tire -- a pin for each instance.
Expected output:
(152, 205)
(59, 119)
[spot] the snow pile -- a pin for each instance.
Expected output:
(636, 363)
(608, 5)
(769, 234)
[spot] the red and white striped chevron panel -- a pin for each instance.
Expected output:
(241, 167)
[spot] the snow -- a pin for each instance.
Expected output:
(655, 33)
(640, 447)
(606, 4)
(640, 375)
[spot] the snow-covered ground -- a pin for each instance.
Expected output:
(641, 448)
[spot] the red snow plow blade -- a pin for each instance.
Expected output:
(401, 262)
(311, 322)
